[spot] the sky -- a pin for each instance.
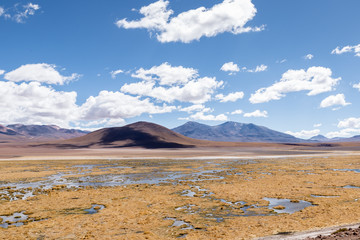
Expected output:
(292, 66)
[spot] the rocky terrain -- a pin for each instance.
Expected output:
(234, 132)
(21, 132)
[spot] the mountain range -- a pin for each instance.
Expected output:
(20, 132)
(248, 132)
(234, 132)
(321, 138)
(150, 135)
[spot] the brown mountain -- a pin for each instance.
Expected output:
(7, 131)
(9, 135)
(33, 133)
(140, 134)
(46, 132)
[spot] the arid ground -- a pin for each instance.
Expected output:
(176, 193)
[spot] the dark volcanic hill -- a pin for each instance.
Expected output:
(140, 134)
(234, 132)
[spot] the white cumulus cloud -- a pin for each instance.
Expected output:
(116, 105)
(156, 16)
(304, 134)
(334, 100)
(355, 49)
(233, 68)
(169, 84)
(209, 117)
(115, 72)
(196, 108)
(196, 91)
(316, 125)
(2, 72)
(316, 80)
(349, 123)
(31, 103)
(41, 72)
(231, 97)
(228, 16)
(357, 86)
(344, 133)
(34, 102)
(237, 112)
(230, 67)
(97, 124)
(257, 113)
(166, 74)
(348, 128)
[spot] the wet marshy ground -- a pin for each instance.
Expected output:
(16, 219)
(162, 199)
(287, 205)
(102, 175)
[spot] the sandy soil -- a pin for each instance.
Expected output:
(226, 203)
(24, 150)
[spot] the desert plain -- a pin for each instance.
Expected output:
(246, 192)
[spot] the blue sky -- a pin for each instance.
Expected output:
(292, 66)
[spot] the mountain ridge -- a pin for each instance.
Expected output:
(226, 132)
(143, 135)
(234, 132)
(21, 132)
(321, 138)
(7, 131)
